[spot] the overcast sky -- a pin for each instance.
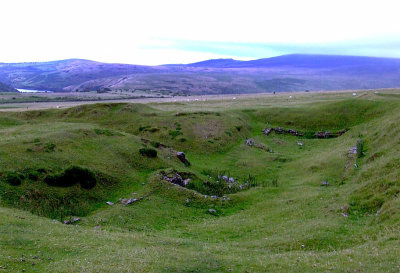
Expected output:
(171, 31)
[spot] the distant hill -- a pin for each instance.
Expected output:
(295, 72)
(304, 61)
(6, 88)
(57, 75)
(220, 63)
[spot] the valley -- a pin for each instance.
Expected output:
(292, 200)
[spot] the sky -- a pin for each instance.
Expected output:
(151, 32)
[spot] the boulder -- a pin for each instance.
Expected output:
(186, 182)
(182, 157)
(109, 203)
(177, 180)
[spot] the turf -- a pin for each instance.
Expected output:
(287, 221)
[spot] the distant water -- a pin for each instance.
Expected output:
(33, 91)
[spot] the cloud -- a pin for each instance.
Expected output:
(379, 47)
(158, 31)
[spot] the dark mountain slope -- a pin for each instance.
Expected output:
(57, 75)
(304, 61)
(296, 72)
(6, 88)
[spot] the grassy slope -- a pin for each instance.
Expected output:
(297, 226)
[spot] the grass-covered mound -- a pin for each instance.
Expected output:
(73, 191)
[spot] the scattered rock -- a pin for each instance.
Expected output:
(130, 201)
(177, 180)
(325, 183)
(182, 157)
(345, 209)
(109, 203)
(69, 222)
(231, 179)
(353, 150)
(321, 134)
(279, 130)
(328, 134)
(249, 142)
(345, 214)
(300, 143)
(267, 131)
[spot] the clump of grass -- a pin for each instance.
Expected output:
(174, 133)
(360, 148)
(155, 144)
(106, 132)
(142, 128)
(149, 152)
(50, 147)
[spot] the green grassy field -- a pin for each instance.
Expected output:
(286, 221)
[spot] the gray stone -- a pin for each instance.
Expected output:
(325, 183)
(182, 157)
(186, 182)
(249, 142)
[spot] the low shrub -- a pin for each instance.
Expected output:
(33, 175)
(14, 179)
(72, 176)
(149, 152)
